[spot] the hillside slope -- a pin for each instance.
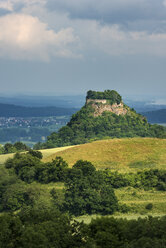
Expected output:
(104, 115)
(119, 154)
(46, 153)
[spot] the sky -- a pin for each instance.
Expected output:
(63, 47)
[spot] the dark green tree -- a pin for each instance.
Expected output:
(21, 146)
(86, 167)
(9, 148)
(88, 195)
(24, 165)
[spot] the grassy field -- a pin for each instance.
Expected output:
(46, 153)
(137, 200)
(87, 218)
(128, 154)
(4, 157)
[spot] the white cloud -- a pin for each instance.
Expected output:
(26, 37)
(7, 5)
(114, 41)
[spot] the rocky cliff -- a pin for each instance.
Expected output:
(102, 105)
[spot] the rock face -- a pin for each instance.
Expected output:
(101, 105)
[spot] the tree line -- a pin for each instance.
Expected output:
(40, 228)
(110, 95)
(12, 148)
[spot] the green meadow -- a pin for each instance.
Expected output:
(125, 155)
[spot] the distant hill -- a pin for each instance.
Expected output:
(104, 115)
(157, 116)
(144, 105)
(75, 101)
(9, 110)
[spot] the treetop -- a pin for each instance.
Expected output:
(107, 94)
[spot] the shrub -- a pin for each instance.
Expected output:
(149, 206)
(37, 154)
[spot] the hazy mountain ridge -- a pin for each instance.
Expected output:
(10, 110)
(69, 101)
(157, 116)
(143, 104)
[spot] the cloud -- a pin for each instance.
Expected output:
(11, 5)
(26, 37)
(23, 36)
(160, 102)
(130, 14)
(111, 11)
(6, 5)
(114, 41)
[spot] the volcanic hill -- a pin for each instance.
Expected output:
(103, 116)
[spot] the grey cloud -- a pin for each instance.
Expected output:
(122, 12)
(4, 12)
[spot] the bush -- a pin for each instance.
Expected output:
(24, 165)
(13, 197)
(123, 208)
(161, 186)
(36, 154)
(55, 171)
(86, 167)
(149, 206)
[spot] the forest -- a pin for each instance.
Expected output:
(40, 228)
